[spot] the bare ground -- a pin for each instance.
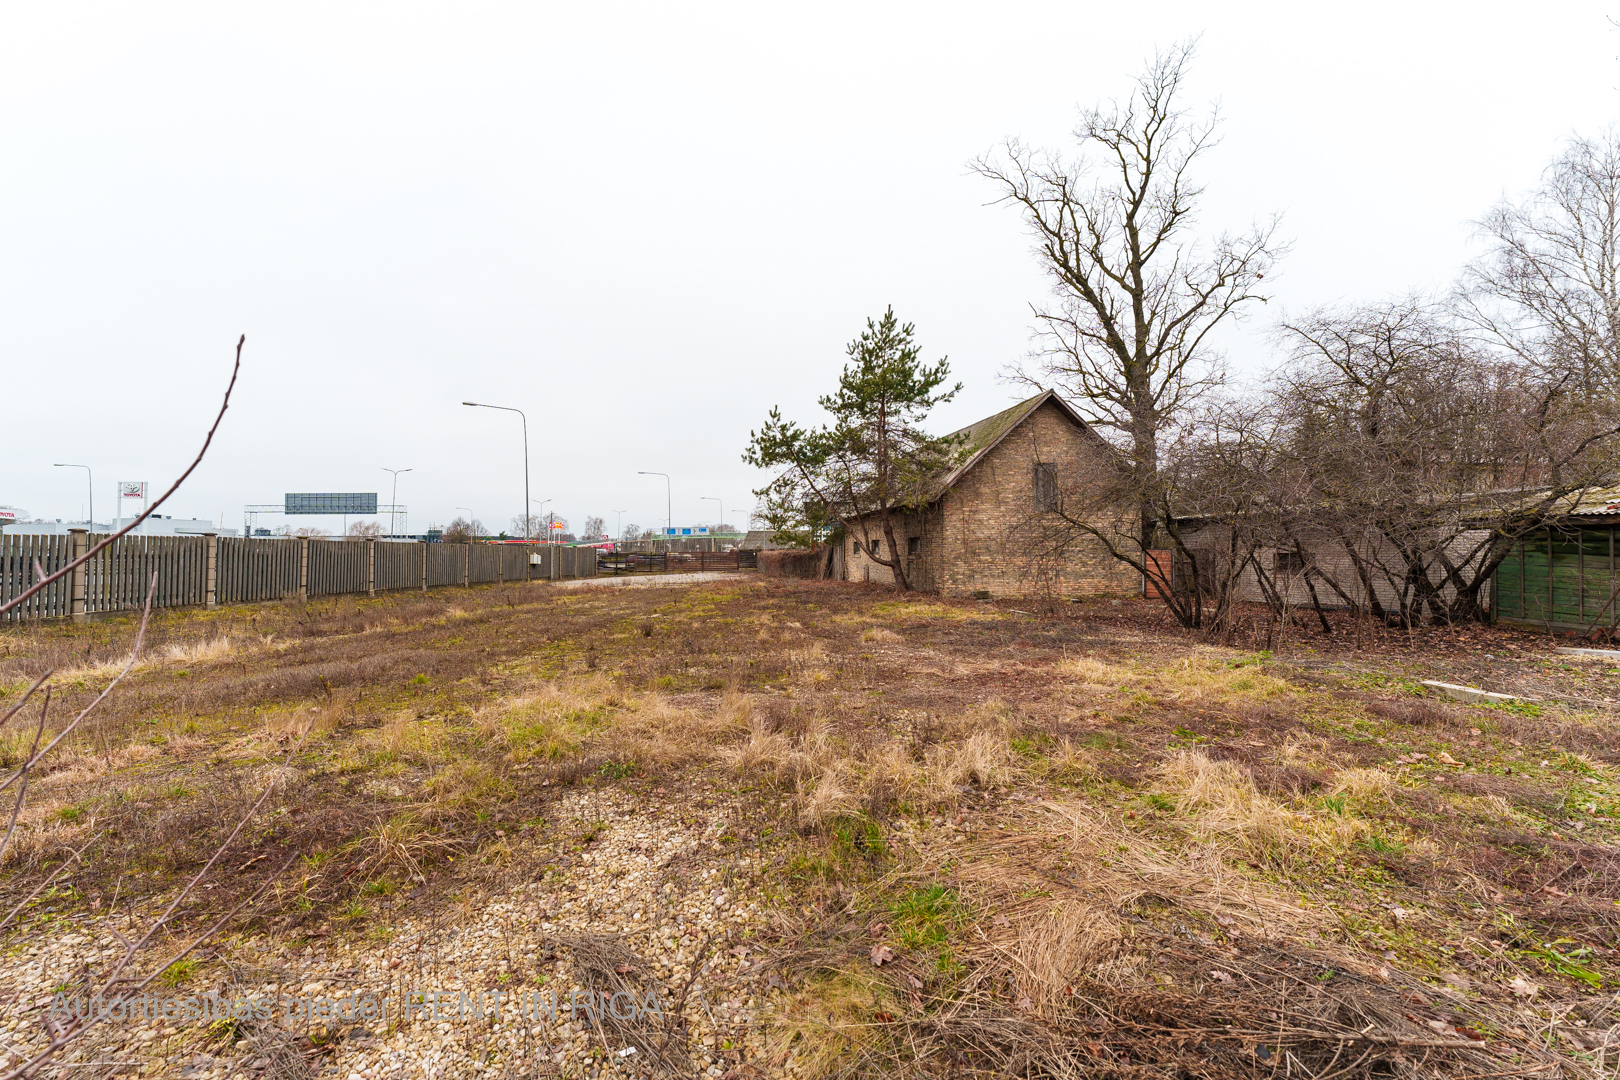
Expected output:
(955, 838)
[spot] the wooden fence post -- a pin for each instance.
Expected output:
(211, 575)
(78, 544)
(371, 566)
(303, 568)
(466, 565)
(424, 565)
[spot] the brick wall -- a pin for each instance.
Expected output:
(922, 566)
(978, 537)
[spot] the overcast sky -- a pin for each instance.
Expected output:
(647, 224)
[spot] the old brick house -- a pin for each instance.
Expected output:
(974, 535)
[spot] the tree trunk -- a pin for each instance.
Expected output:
(894, 562)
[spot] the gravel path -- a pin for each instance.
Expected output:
(652, 906)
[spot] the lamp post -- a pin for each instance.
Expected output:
(394, 499)
(90, 481)
(541, 503)
(508, 408)
(620, 534)
(669, 517)
(711, 498)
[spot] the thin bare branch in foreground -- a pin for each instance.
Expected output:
(134, 654)
(42, 886)
(218, 852)
(15, 709)
(22, 788)
(94, 551)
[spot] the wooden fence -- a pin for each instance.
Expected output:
(212, 570)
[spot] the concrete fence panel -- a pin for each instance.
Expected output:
(483, 564)
(446, 563)
(117, 578)
(208, 570)
(18, 554)
(397, 566)
(337, 566)
(256, 569)
(514, 563)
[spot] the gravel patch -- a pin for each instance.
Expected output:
(645, 581)
(654, 912)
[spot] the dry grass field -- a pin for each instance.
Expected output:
(972, 838)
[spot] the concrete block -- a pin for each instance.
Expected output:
(1468, 693)
(1607, 654)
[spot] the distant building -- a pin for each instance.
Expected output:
(760, 540)
(156, 525)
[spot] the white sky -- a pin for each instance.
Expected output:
(647, 225)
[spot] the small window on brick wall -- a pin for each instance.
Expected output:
(1290, 563)
(913, 545)
(1046, 488)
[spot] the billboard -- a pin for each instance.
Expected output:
(701, 530)
(329, 502)
(132, 489)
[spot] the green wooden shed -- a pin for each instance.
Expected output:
(1563, 577)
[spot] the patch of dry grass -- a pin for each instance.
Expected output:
(398, 845)
(1195, 680)
(200, 651)
(1096, 672)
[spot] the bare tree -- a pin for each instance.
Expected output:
(364, 530)
(534, 526)
(594, 528)
(1211, 509)
(1422, 458)
(1136, 294)
(462, 531)
(1549, 288)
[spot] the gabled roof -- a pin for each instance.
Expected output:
(985, 435)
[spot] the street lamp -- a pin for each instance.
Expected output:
(542, 503)
(620, 534)
(711, 498)
(508, 408)
(669, 518)
(395, 497)
(91, 483)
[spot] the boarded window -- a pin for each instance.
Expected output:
(1290, 563)
(1046, 488)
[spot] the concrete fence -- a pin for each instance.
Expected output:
(206, 571)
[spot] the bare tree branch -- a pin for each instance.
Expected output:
(43, 581)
